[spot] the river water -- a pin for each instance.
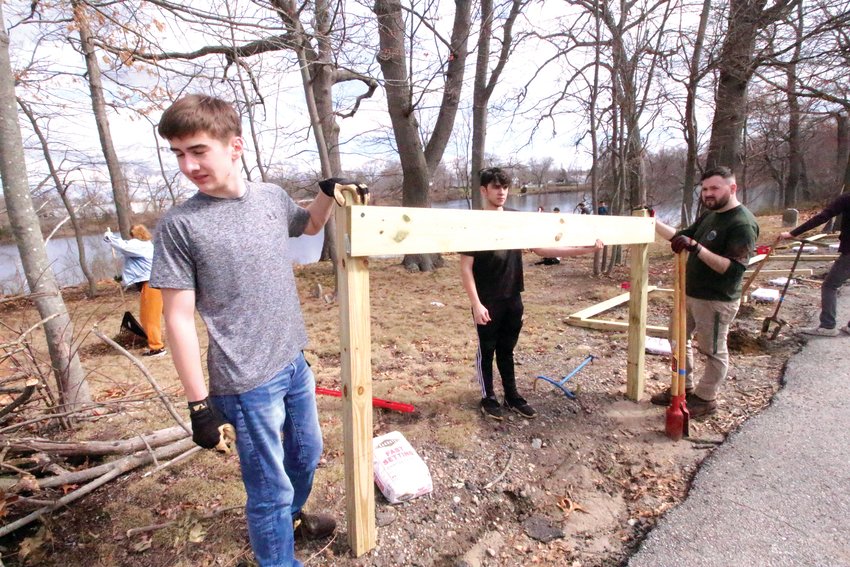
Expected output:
(306, 249)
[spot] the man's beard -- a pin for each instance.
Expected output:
(718, 204)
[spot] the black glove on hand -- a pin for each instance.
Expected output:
(209, 429)
(328, 187)
(682, 242)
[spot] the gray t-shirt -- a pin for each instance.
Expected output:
(235, 254)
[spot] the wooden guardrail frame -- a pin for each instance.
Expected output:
(375, 231)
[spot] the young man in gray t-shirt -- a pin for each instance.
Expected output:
(225, 252)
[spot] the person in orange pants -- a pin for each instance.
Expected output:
(138, 256)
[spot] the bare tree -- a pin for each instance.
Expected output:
(736, 65)
(540, 169)
(795, 179)
(695, 74)
(42, 283)
(98, 102)
(62, 190)
(416, 165)
(486, 80)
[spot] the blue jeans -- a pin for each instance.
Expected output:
(277, 473)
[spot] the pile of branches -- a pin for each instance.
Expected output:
(37, 474)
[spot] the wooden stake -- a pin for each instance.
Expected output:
(639, 288)
(356, 374)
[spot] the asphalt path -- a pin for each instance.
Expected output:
(777, 492)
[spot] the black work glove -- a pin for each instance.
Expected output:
(682, 242)
(209, 429)
(332, 186)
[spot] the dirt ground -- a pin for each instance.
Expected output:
(580, 485)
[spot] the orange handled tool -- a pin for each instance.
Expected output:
(677, 416)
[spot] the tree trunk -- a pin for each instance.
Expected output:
(691, 137)
(484, 85)
(13, 172)
(737, 64)
(842, 153)
(120, 190)
(436, 145)
(392, 58)
(598, 259)
(795, 154)
(479, 102)
(62, 190)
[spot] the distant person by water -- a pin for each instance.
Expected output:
(138, 257)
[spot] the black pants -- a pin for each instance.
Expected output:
(499, 337)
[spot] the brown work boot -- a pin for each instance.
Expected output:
(313, 526)
(698, 407)
(664, 398)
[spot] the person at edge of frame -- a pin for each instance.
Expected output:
(225, 251)
(838, 274)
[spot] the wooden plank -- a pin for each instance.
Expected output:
(610, 325)
(616, 301)
(799, 272)
(602, 306)
(803, 257)
(815, 237)
(405, 230)
(355, 370)
(635, 375)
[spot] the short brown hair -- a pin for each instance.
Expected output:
(196, 113)
(140, 232)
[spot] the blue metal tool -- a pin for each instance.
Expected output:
(560, 385)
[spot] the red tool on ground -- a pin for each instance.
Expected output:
(677, 416)
(376, 402)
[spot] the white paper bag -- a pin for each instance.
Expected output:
(763, 294)
(657, 345)
(400, 472)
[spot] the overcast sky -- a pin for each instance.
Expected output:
(508, 135)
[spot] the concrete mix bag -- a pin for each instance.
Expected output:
(400, 472)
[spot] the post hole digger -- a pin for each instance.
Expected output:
(765, 326)
(677, 416)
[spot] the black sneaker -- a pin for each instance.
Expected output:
(664, 398)
(520, 406)
(151, 353)
(313, 526)
(490, 408)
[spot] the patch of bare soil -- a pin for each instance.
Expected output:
(580, 485)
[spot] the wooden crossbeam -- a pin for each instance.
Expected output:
(403, 230)
(611, 325)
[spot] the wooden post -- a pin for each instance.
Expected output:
(356, 375)
(635, 379)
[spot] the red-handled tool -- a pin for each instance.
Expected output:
(678, 416)
(376, 402)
